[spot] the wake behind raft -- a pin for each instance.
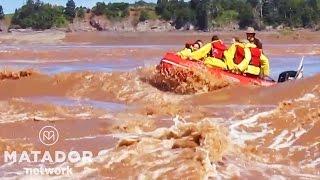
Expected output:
(171, 61)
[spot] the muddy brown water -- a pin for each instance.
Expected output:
(99, 97)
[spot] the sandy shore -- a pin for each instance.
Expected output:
(151, 38)
(42, 37)
(177, 38)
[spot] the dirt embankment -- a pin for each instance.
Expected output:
(151, 38)
(179, 37)
(31, 37)
(274, 43)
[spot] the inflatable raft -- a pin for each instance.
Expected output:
(171, 60)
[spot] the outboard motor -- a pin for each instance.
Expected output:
(287, 76)
(292, 75)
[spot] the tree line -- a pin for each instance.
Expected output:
(207, 14)
(202, 14)
(39, 15)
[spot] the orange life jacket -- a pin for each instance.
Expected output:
(255, 57)
(218, 49)
(239, 55)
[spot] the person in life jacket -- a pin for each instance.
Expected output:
(211, 53)
(199, 42)
(197, 45)
(254, 65)
(251, 37)
(216, 55)
(186, 52)
(238, 49)
(247, 58)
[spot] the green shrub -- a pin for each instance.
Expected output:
(113, 11)
(1, 13)
(144, 15)
(60, 22)
(117, 11)
(99, 9)
(226, 17)
(70, 10)
(39, 16)
(81, 11)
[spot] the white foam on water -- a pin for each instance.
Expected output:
(10, 116)
(83, 115)
(307, 97)
(117, 159)
(241, 106)
(313, 164)
(286, 139)
(240, 136)
(277, 177)
(87, 137)
(159, 172)
(115, 135)
(47, 118)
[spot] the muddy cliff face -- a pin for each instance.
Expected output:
(107, 97)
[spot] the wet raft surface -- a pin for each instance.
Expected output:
(106, 98)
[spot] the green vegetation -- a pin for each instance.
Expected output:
(202, 14)
(70, 10)
(38, 15)
(144, 15)
(114, 11)
(178, 11)
(255, 13)
(80, 12)
(141, 3)
(226, 18)
(99, 9)
(147, 14)
(1, 13)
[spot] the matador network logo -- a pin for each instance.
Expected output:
(48, 135)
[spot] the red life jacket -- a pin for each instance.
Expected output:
(239, 55)
(255, 57)
(218, 49)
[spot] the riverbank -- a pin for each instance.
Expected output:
(151, 38)
(131, 44)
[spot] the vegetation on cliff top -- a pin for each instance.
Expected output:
(38, 15)
(1, 13)
(114, 11)
(206, 14)
(202, 14)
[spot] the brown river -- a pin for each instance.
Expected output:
(107, 98)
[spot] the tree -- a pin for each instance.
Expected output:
(144, 15)
(270, 12)
(29, 2)
(70, 10)
(246, 17)
(99, 9)
(254, 3)
(202, 15)
(38, 16)
(141, 3)
(117, 11)
(81, 11)
(184, 16)
(194, 4)
(162, 9)
(1, 13)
